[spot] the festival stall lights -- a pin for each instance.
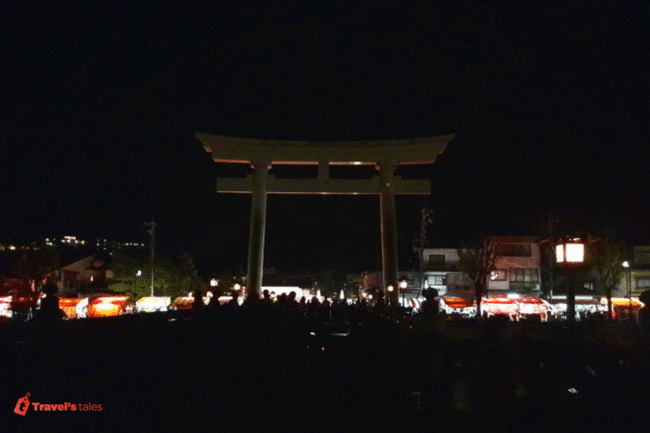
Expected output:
(5, 306)
(459, 302)
(460, 306)
(624, 301)
(499, 300)
(624, 308)
(533, 306)
(501, 306)
(150, 304)
(185, 303)
(106, 306)
(73, 308)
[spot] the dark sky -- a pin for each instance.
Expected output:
(100, 102)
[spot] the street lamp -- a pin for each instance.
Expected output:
(628, 279)
(570, 255)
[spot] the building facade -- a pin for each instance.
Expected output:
(517, 268)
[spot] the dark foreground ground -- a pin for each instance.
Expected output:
(263, 371)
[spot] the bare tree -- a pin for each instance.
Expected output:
(478, 263)
(607, 256)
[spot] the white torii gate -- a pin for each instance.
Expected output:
(385, 155)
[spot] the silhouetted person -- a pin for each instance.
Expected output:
(198, 304)
(381, 303)
(213, 302)
(252, 302)
(50, 312)
(430, 304)
(313, 308)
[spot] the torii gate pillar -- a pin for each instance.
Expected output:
(388, 222)
(257, 228)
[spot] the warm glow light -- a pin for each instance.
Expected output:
(530, 300)
(5, 306)
(403, 284)
(501, 306)
(69, 306)
(184, 303)
(458, 302)
(498, 301)
(187, 302)
(575, 253)
(106, 306)
(390, 288)
(625, 301)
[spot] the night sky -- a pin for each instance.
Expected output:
(550, 106)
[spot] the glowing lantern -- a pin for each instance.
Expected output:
(570, 255)
(570, 252)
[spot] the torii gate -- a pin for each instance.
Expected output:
(385, 155)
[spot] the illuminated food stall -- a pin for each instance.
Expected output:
(184, 303)
(500, 306)
(74, 308)
(5, 306)
(106, 306)
(458, 306)
(585, 306)
(532, 307)
(151, 304)
(624, 308)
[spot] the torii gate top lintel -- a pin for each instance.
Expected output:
(423, 150)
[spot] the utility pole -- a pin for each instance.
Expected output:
(426, 219)
(552, 220)
(152, 232)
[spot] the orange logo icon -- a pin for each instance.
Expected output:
(22, 405)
